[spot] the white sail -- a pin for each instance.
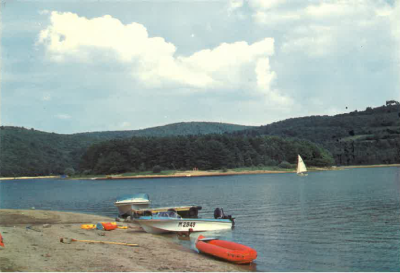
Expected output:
(301, 167)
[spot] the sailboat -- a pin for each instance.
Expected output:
(301, 167)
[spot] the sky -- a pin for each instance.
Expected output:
(81, 66)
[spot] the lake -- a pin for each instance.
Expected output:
(345, 220)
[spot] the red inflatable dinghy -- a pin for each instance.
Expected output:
(230, 251)
(1, 241)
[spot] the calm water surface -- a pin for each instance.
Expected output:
(329, 221)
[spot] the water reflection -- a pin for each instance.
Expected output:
(327, 221)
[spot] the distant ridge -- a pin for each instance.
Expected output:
(174, 129)
(364, 137)
(371, 136)
(30, 152)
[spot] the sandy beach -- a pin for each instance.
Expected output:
(232, 172)
(189, 174)
(38, 247)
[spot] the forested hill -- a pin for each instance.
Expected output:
(209, 152)
(371, 136)
(29, 152)
(360, 137)
(26, 152)
(175, 129)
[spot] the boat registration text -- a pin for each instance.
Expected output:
(187, 224)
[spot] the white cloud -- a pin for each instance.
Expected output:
(263, 17)
(68, 33)
(234, 5)
(46, 97)
(264, 74)
(315, 41)
(265, 79)
(394, 16)
(330, 23)
(152, 60)
(43, 12)
(125, 124)
(63, 116)
(337, 8)
(264, 11)
(265, 4)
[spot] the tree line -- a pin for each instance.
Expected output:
(30, 152)
(208, 152)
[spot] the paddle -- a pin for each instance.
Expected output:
(68, 241)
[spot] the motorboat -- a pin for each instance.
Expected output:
(171, 221)
(183, 211)
(127, 203)
(226, 250)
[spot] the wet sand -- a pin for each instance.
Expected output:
(38, 248)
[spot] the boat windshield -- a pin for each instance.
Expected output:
(143, 196)
(167, 214)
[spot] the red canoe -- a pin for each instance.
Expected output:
(230, 251)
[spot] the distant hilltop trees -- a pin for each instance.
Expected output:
(356, 138)
(29, 152)
(392, 102)
(208, 152)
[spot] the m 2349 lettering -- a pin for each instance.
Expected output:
(187, 224)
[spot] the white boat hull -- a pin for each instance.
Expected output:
(302, 174)
(126, 208)
(158, 226)
(126, 203)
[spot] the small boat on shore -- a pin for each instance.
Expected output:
(183, 211)
(127, 203)
(226, 250)
(137, 205)
(170, 221)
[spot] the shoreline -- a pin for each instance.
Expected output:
(189, 174)
(32, 243)
(186, 174)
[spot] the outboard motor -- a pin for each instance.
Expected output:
(219, 214)
(193, 212)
